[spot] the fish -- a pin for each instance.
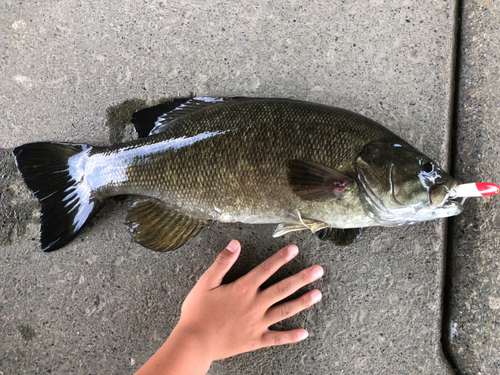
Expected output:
(199, 161)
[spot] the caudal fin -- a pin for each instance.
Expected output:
(54, 172)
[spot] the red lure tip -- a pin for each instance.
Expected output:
(487, 188)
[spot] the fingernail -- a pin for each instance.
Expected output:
(292, 250)
(303, 335)
(316, 296)
(233, 246)
(317, 272)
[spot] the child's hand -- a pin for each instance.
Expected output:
(235, 318)
(219, 321)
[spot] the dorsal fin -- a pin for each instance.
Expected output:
(145, 119)
(154, 120)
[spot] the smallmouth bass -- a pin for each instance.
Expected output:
(251, 160)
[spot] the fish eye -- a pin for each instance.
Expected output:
(428, 167)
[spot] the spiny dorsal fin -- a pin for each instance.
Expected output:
(340, 237)
(316, 182)
(154, 120)
(157, 227)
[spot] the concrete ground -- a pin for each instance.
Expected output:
(473, 299)
(74, 71)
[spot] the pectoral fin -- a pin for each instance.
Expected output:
(317, 182)
(340, 237)
(298, 223)
(157, 227)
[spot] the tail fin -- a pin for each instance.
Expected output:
(54, 172)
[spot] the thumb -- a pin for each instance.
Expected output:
(212, 278)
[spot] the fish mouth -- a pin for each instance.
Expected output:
(452, 202)
(442, 202)
(449, 199)
(451, 207)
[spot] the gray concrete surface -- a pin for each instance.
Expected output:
(104, 304)
(473, 325)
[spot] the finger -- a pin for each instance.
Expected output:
(286, 310)
(266, 269)
(290, 285)
(274, 338)
(212, 278)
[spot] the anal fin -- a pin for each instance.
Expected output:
(340, 237)
(157, 227)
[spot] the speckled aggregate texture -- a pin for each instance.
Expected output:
(473, 327)
(103, 304)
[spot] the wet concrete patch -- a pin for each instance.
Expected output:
(119, 116)
(27, 333)
(17, 205)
